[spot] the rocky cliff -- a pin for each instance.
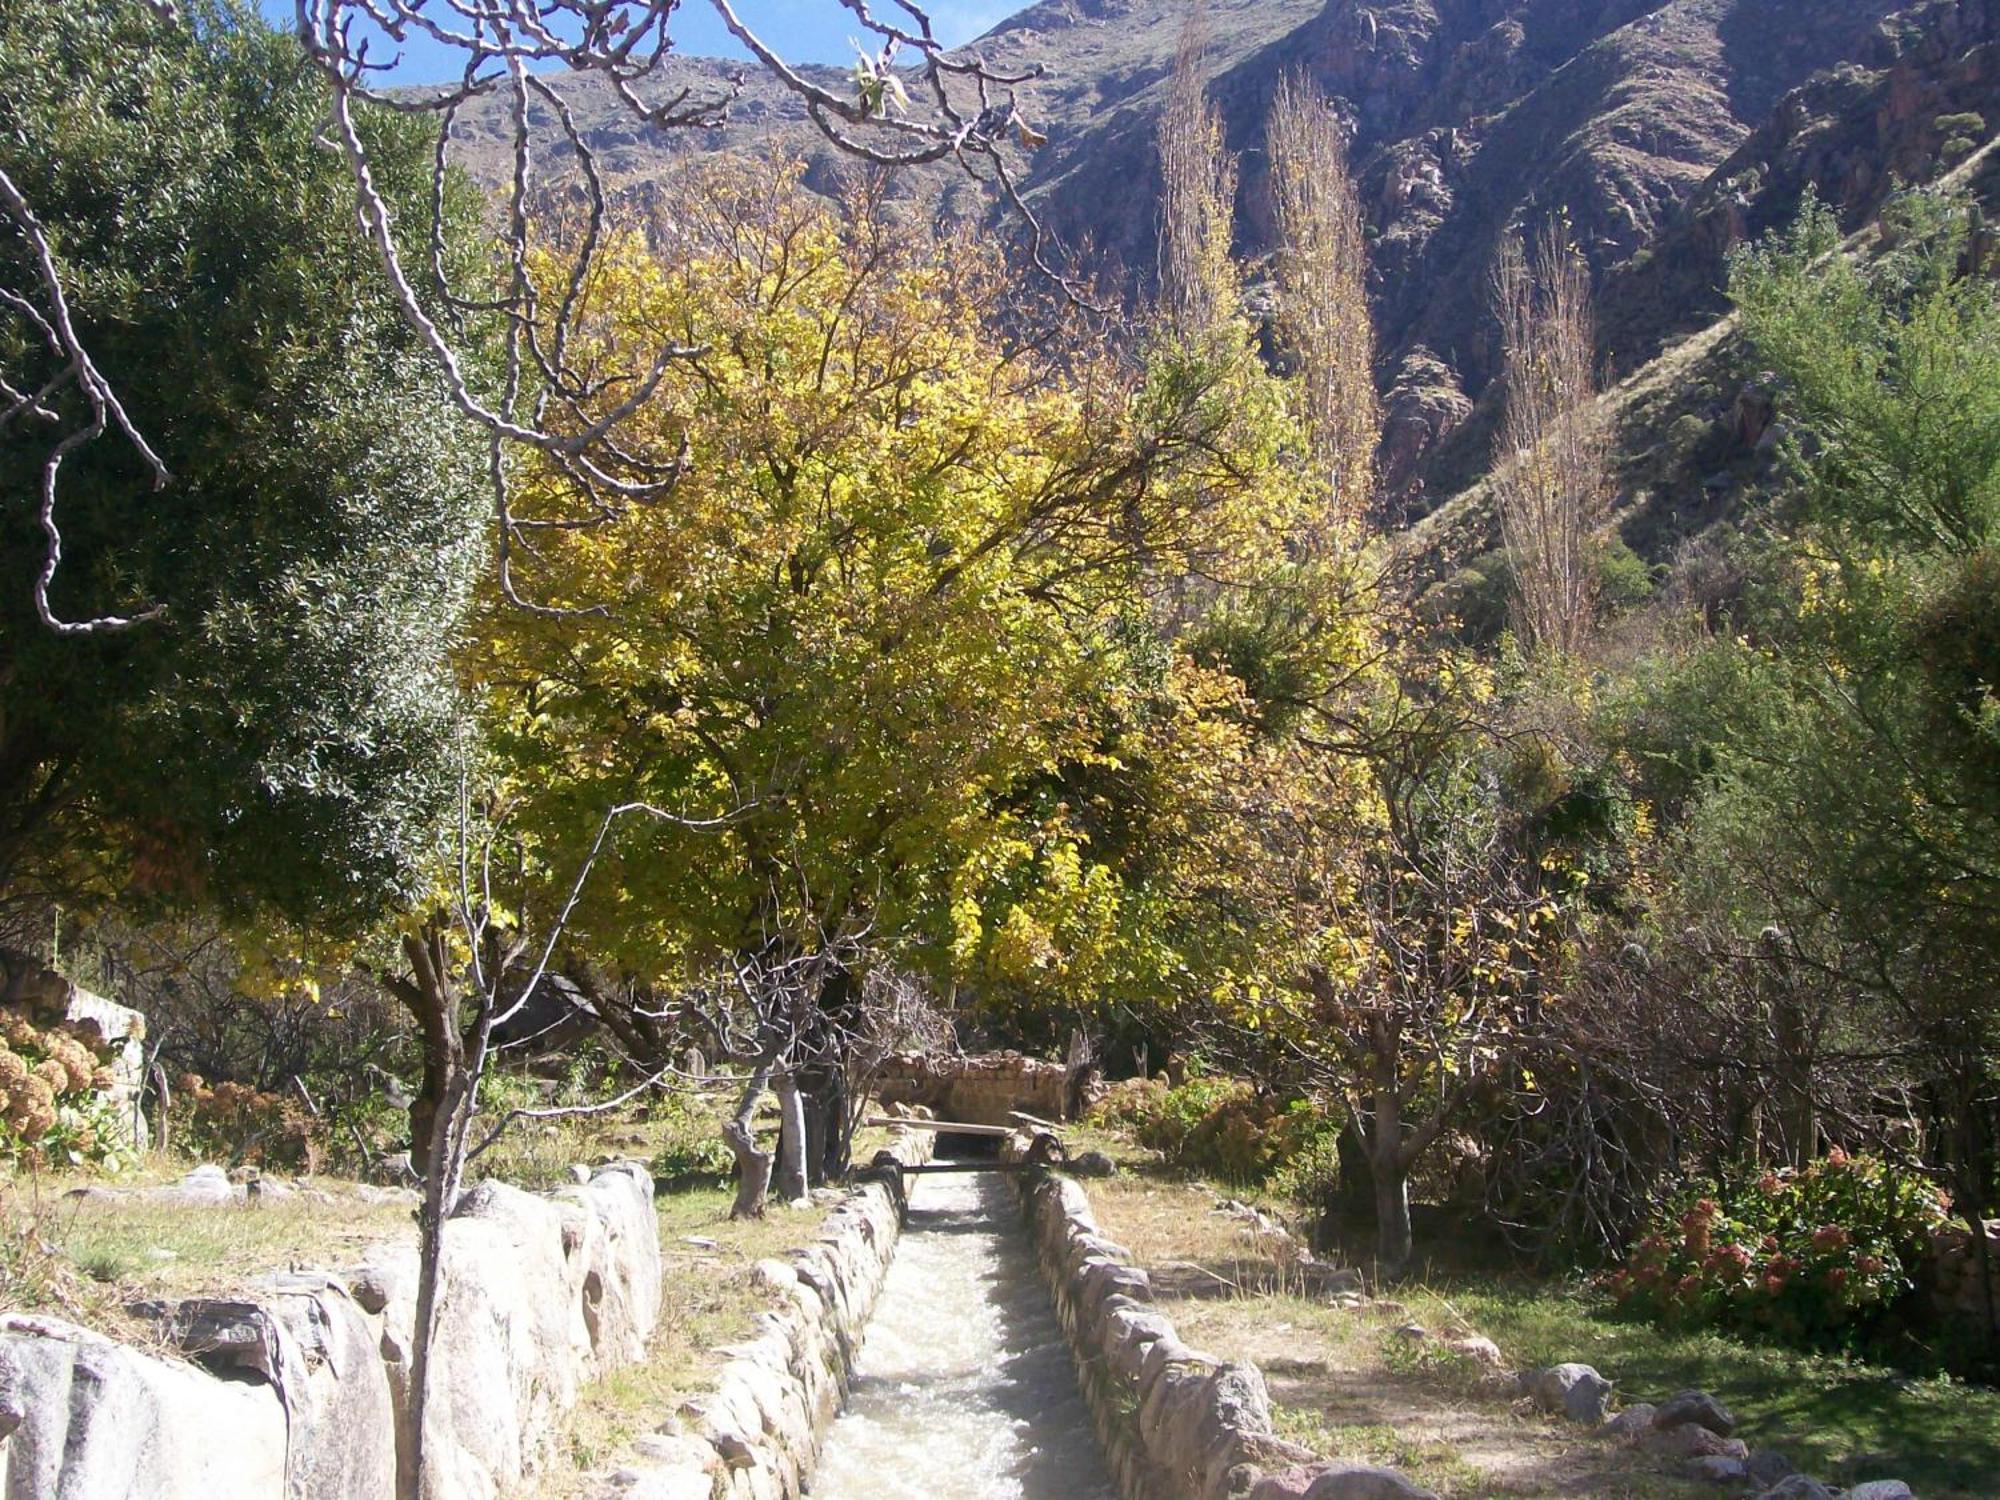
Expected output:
(1662, 131)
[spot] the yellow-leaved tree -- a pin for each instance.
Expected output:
(914, 624)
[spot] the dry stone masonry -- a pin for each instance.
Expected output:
(757, 1435)
(984, 1090)
(1176, 1424)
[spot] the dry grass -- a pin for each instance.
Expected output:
(1342, 1380)
(87, 1257)
(1345, 1382)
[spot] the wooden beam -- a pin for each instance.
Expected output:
(943, 1127)
(994, 1165)
(1035, 1120)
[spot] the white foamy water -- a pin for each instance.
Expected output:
(964, 1389)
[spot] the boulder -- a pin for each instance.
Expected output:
(310, 1341)
(92, 1419)
(1092, 1164)
(1342, 1480)
(1798, 1487)
(1880, 1489)
(1575, 1390)
(208, 1186)
(538, 1296)
(1698, 1407)
(1692, 1441)
(621, 1281)
(1170, 1415)
(1767, 1468)
(1477, 1348)
(1337, 1480)
(1630, 1424)
(1128, 1331)
(1286, 1484)
(1718, 1468)
(1237, 1406)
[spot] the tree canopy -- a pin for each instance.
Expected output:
(281, 731)
(931, 620)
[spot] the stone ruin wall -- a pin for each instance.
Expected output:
(1958, 1297)
(980, 1090)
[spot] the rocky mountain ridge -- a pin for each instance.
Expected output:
(1663, 132)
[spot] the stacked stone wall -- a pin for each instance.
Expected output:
(757, 1436)
(987, 1089)
(1175, 1423)
(1960, 1298)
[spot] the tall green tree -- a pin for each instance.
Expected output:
(1859, 808)
(279, 731)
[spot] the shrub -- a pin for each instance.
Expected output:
(693, 1146)
(1820, 1257)
(54, 1104)
(236, 1123)
(1221, 1127)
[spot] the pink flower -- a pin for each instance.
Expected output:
(1829, 1237)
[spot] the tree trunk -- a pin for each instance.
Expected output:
(440, 1195)
(820, 1129)
(1393, 1240)
(790, 1181)
(1391, 1172)
(753, 1166)
(437, 1120)
(1798, 1118)
(829, 1131)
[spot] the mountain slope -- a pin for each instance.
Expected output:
(1662, 131)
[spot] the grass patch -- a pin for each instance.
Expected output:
(1343, 1381)
(84, 1258)
(1842, 1420)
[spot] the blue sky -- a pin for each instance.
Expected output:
(801, 31)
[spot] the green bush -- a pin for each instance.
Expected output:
(693, 1145)
(1223, 1128)
(1820, 1257)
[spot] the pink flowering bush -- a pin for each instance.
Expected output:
(1818, 1257)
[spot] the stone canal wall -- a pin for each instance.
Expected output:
(757, 1435)
(1175, 1423)
(298, 1389)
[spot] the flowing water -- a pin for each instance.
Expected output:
(964, 1390)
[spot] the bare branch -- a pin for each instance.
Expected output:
(58, 331)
